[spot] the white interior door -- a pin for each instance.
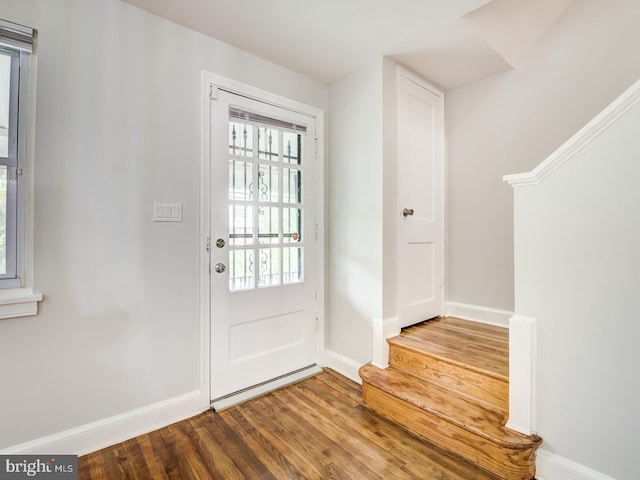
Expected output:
(263, 287)
(420, 200)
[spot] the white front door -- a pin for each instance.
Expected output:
(263, 250)
(420, 200)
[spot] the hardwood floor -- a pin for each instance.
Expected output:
(315, 429)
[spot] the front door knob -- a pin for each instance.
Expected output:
(407, 211)
(220, 267)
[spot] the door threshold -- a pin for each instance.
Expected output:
(235, 398)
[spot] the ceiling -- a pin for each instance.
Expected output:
(450, 42)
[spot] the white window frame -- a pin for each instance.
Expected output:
(16, 295)
(14, 165)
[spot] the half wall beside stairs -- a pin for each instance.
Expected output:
(577, 258)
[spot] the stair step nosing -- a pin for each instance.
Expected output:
(528, 442)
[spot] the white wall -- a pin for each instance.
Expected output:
(510, 122)
(577, 261)
(118, 119)
(354, 193)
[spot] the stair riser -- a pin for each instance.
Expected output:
(469, 382)
(508, 464)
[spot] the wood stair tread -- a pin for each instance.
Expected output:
(480, 347)
(465, 326)
(476, 417)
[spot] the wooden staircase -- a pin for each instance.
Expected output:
(448, 382)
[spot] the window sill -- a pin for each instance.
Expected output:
(18, 302)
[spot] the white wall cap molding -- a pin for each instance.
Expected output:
(343, 365)
(476, 313)
(550, 466)
(109, 431)
(577, 142)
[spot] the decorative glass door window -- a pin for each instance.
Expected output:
(266, 211)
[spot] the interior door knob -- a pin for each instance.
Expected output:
(407, 211)
(220, 267)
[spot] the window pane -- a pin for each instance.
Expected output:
(269, 267)
(292, 265)
(240, 139)
(240, 225)
(240, 180)
(5, 90)
(291, 225)
(292, 146)
(268, 183)
(268, 225)
(268, 143)
(241, 271)
(291, 185)
(3, 220)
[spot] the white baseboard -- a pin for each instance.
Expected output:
(550, 466)
(343, 365)
(476, 313)
(109, 431)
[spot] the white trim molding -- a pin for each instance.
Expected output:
(109, 431)
(522, 348)
(476, 313)
(18, 302)
(343, 365)
(205, 242)
(550, 466)
(585, 135)
(383, 329)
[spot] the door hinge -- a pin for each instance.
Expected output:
(213, 92)
(208, 246)
(316, 231)
(316, 146)
(317, 324)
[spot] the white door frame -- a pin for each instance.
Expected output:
(209, 84)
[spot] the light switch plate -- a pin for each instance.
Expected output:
(167, 212)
